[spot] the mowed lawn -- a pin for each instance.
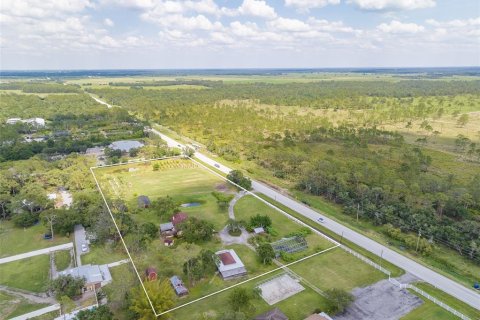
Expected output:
(31, 274)
(431, 311)
(337, 269)
(296, 307)
(12, 306)
(174, 177)
(15, 240)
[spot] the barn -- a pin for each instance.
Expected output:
(229, 264)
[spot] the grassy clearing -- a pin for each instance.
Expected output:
(30, 274)
(428, 311)
(176, 176)
(15, 240)
(298, 306)
(449, 300)
(124, 279)
(12, 306)
(48, 316)
(104, 254)
(337, 269)
(62, 259)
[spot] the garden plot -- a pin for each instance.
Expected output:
(279, 288)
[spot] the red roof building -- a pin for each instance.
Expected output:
(151, 274)
(179, 217)
(226, 258)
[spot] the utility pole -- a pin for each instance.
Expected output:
(418, 240)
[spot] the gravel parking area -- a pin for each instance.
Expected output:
(381, 301)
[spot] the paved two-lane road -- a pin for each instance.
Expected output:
(447, 285)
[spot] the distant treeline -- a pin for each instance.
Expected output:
(28, 106)
(40, 87)
(164, 83)
(298, 94)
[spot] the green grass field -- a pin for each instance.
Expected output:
(15, 240)
(186, 182)
(12, 306)
(298, 306)
(104, 254)
(29, 274)
(62, 260)
(449, 300)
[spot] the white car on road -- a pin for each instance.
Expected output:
(84, 247)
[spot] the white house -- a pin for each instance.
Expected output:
(38, 122)
(13, 120)
(229, 264)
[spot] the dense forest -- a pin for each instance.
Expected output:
(372, 173)
(40, 87)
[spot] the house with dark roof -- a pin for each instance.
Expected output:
(179, 217)
(178, 286)
(167, 227)
(143, 202)
(275, 314)
(95, 276)
(125, 145)
(229, 264)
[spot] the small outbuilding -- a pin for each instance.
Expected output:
(179, 217)
(178, 286)
(274, 314)
(258, 230)
(143, 202)
(151, 274)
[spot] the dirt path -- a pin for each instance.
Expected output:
(238, 196)
(33, 297)
(227, 239)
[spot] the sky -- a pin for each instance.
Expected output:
(158, 34)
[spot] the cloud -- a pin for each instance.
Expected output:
(393, 5)
(305, 5)
(107, 22)
(131, 4)
(291, 25)
(398, 27)
(178, 21)
(42, 9)
(257, 8)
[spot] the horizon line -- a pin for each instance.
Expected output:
(244, 68)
